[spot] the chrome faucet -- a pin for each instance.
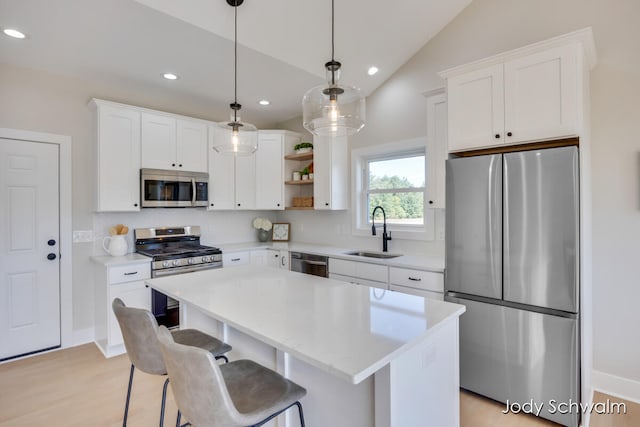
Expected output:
(385, 237)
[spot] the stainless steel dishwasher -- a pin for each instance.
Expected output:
(316, 265)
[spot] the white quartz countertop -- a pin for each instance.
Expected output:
(347, 330)
(415, 261)
(130, 258)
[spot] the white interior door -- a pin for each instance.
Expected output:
(29, 247)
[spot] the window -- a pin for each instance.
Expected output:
(393, 176)
(397, 184)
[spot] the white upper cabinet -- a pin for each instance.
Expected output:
(192, 146)
(118, 155)
(531, 94)
(232, 180)
(436, 148)
(246, 182)
(541, 99)
(158, 141)
(476, 108)
(331, 175)
(170, 143)
(269, 171)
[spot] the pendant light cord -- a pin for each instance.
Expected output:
(333, 43)
(235, 66)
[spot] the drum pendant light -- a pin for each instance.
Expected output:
(243, 137)
(333, 109)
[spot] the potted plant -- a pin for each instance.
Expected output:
(303, 147)
(305, 173)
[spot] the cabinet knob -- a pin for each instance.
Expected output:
(326, 203)
(135, 205)
(173, 165)
(430, 202)
(180, 165)
(278, 204)
(497, 136)
(238, 204)
(211, 204)
(509, 134)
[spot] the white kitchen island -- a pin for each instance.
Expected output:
(367, 357)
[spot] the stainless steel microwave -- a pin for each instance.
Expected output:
(173, 189)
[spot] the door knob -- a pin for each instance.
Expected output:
(51, 242)
(51, 256)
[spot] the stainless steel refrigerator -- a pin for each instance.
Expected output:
(512, 258)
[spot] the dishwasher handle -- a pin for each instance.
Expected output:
(321, 263)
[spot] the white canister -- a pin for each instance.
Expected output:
(305, 177)
(311, 175)
(296, 176)
(117, 245)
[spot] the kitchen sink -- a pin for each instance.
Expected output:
(373, 254)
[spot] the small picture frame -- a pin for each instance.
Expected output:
(280, 232)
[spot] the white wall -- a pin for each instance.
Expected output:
(44, 102)
(396, 111)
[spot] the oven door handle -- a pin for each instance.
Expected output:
(193, 192)
(322, 263)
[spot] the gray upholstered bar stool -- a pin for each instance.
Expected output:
(139, 328)
(237, 394)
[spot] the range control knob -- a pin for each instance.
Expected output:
(205, 259)
(165, 263)
(191, 261)
(176, 262)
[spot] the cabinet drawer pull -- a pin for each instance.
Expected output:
(415, 279)
(235, 259)
(131, 273)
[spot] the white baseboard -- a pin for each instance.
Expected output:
(83, 336)
(616, 386)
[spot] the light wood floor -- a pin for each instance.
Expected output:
(79, 387)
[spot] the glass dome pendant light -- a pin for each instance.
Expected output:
(243, 137)
(333, 109)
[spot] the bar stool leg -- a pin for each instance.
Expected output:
(300, 413)
(164, 401)
(126, 405)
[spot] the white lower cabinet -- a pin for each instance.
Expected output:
(278, 258)
(361, 273)
(235, 259)
(125, 281)
(427, 284)
(417, 282)
(275, 258)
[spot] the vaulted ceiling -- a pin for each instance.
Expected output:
(283, 44)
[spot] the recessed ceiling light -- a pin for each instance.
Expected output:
(14, 33)
(263, 102)
(170, 76)
(372, 70)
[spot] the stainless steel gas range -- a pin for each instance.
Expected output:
(173, 250)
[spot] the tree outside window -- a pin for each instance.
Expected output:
(398, 185)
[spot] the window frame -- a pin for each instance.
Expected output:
(360, 158)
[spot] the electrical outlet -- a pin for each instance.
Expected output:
(83, 236)
(440, 235)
